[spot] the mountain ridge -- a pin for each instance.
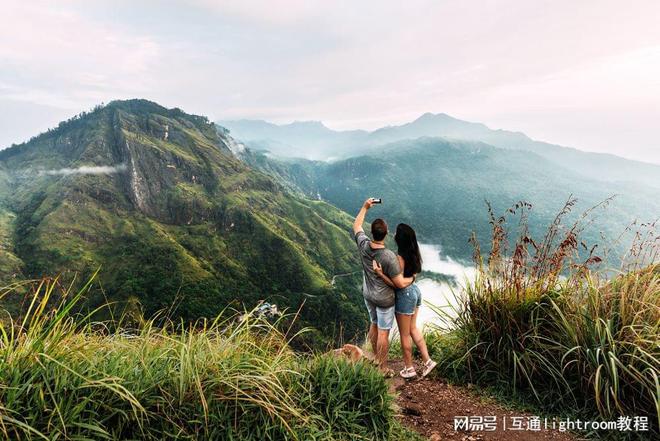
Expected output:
(343, 144)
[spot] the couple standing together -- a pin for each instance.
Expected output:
(389, 290)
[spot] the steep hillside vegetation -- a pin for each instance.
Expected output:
(440, 186)
(156, 198)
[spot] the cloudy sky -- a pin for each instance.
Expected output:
(579, 73)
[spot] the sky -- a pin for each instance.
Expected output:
(584, 74)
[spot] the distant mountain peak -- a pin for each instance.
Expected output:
(309, 124)
(428, 116)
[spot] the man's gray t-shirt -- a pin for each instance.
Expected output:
(373, 287)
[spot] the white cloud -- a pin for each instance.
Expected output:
(82, 170)
(85, 170)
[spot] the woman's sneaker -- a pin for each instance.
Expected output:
(428, 367)
(408, 373)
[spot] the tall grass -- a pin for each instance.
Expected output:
(63, 376)
(542, 319)
(609, 336)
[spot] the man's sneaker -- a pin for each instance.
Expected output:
(428, 367)
(408, 373)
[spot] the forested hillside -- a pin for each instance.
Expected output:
(441, 186)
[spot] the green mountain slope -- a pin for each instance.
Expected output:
(157, 199)
(439, 186)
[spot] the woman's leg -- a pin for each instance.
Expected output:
(418, 337)
(403, 321)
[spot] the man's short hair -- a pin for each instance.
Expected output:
(379, 229)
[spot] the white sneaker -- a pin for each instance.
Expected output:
(408, 373)
(428, 367)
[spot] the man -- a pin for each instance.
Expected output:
(378, 296)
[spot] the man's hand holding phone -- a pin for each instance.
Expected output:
(371, 201)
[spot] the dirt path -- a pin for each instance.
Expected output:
(429, 406)
(332, 282)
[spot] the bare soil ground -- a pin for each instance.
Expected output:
(429, 406)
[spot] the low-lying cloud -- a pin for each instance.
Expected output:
(84, 170)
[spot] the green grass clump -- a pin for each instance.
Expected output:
(63, 376)
(352, 398)
(542, 322)
(609, 335)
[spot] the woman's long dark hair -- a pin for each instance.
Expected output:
(406, 240)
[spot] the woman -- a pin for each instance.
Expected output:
(408, 300)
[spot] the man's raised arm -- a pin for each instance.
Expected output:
(359, 219)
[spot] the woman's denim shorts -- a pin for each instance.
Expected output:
(408, 299)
